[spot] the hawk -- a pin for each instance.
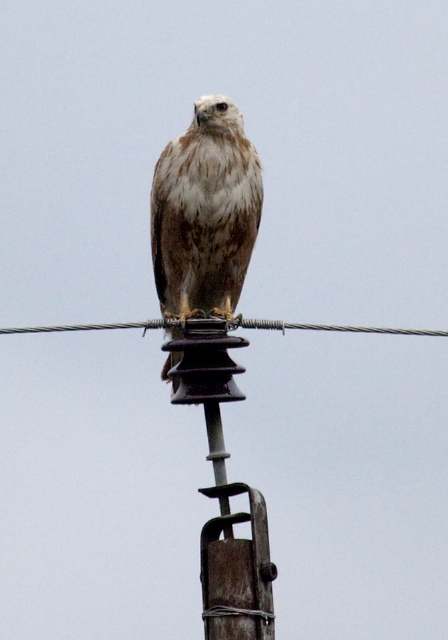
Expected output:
(206, 202)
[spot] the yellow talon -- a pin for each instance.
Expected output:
(222, 313)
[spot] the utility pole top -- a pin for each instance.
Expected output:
(236, 574)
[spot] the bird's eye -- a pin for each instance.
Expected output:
(221, 106)
(195, 108)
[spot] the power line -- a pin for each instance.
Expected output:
(149, 324)
(277, 324)
(244, 323)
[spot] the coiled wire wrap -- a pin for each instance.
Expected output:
(220, 611)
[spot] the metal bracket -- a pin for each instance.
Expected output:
(238, 573)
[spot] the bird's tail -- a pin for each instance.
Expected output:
(173, 358)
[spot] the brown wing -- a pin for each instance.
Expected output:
(158, 203)
(248, 234)
(241, 246)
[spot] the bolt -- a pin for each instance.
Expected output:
(268, 571)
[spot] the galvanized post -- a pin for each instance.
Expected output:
(216, 444)
(218, 454)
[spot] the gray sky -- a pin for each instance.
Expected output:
(345, 435)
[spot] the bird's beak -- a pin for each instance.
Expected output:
(201, 117)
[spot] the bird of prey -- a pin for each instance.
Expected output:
(206, 202)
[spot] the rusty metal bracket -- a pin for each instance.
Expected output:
(236, 573)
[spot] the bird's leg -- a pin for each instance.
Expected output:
(226, 311)
(186, 313)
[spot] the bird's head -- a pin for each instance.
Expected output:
(217, 114)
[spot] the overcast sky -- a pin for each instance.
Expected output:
(345, 435)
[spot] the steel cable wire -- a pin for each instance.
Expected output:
(244, 323)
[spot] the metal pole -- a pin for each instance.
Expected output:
(217, 454)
